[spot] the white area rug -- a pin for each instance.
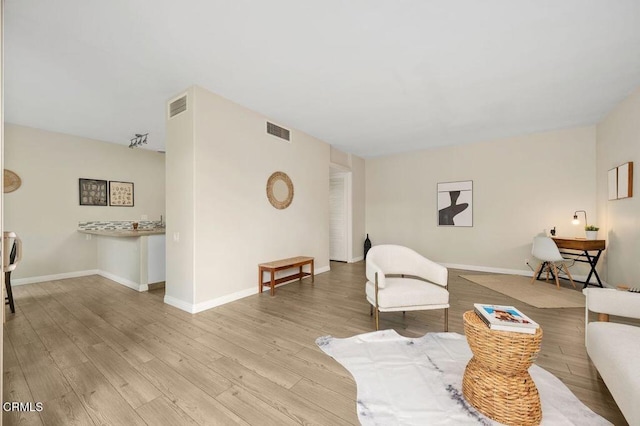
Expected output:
(403, 381)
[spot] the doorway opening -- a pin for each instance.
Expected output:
(340, 216)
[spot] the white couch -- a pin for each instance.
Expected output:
(400, 279)
(614, 348)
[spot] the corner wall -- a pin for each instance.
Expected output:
(521, 187)
(618, 142)
(45, 210)
(234, 226)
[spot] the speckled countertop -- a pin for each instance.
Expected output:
(123, 232)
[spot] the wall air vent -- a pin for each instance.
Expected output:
(178, 106)
(278, 131)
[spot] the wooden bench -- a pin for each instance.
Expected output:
(280, 265)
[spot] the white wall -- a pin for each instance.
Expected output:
(235, 226)
(521, 187)
(179, 285)
(618, 142)
(45, 210)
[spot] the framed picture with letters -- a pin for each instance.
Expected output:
(92, 192)
(120, 194)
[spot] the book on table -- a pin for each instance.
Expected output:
(505, 318)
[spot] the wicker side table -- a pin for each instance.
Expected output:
(496, 380)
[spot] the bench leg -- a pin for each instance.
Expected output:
(273, 283)
(312, 273)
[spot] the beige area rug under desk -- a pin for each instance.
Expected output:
(539, 294)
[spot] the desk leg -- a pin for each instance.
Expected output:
(593, 261)
(273, 283)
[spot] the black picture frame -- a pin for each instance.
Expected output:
(121, 194)
(92, 192)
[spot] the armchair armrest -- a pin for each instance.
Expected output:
(432, 272)
(613, 302)
(372, 269)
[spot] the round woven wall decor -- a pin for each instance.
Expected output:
(11, 181)
(276, 184)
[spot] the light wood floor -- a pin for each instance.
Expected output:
(95, 352)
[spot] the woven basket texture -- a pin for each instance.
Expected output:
(496, 381)
(503, 351)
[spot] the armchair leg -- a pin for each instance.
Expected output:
(371, 311)
(446, 319)
(377, 319)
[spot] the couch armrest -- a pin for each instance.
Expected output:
(613, 302)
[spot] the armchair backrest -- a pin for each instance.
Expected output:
(394, 259)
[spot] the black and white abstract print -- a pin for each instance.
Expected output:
(455, 203)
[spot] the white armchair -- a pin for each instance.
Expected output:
(399, 279)
(614, 347)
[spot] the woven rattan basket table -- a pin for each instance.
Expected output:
(496, 381)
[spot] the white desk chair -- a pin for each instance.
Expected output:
(546, 250)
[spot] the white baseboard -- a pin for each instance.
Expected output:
(177, 303)
(322, 270)
(356, 259)
(125, 282)
(65, 275)
(218, 301)
(489, 269)
(54, 277)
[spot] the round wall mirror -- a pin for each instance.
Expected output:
(280, 190)
(11, 181)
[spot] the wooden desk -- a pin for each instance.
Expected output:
(579, 252)
(280, 265)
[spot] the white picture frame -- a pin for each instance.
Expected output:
(455, 203)
(625, 180)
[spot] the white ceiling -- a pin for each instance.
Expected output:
(371, 77)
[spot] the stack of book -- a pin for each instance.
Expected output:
(505, 318)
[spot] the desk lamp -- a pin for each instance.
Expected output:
(575, 220)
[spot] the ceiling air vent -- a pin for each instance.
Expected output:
(178, 106)
(278, 131)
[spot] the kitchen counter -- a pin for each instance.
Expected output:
(133, 258)
(123, 232)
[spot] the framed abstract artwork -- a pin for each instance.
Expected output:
(455, 203)
(625, 180)
(620, 182)
(92, 192)
(120, 194)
